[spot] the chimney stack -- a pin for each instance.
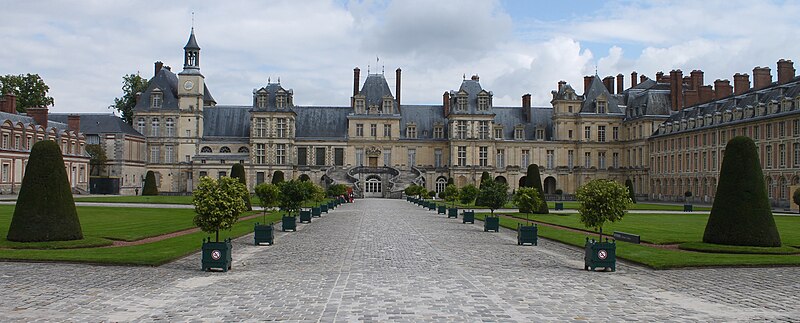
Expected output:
(560, 85)
(39, 115)
(634, 78)
(526, 100)
(676, 89)
(356, 80)
(741, 83)
(159, 66)
(697, 79)
(397, 86)
(761, 77)
(785, 71)
(722, 88)
(446, 102)
(642, 78)
(620, 83)
(9, 103)
(74, 122)
(587, 82)
(608, 81)
(659, 76)
(706, 94)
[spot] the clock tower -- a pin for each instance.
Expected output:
(190, 81)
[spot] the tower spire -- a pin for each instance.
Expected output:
(191, 52)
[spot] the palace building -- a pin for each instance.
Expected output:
(667, 134)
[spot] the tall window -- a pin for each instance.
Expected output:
(483, 103)
(281, 127)
(387, 157)
(501, 158)
(440, 184)
(570, 158)
(601, 159)
(261, 156)
(519, 134)
(387, 130)
(462, 155)
(781, 129)
(338, 156)
(769, 156)
(170, 123)
(437, 158)
(140, 125)
(782, 155)
(713, 160)
(615, 160)
(526, 158)
(601, 133)
(550, 159)
(796, 154)
(319, 156)
(359, 105)
(601, 106)
(412, 157)
(261, 101)
(483, 129)
(587, 159)
(498, 132)
(280, 101)
(359, 130)
(154, 125)
(156, 100)
(261, 127)
(360, 157)
(483, 156)
(796, 127)
(280, 154)
(539, 134)
(461, 129)
(302, 156)
(768, 131)
(168, 154)
(461, 102)
(373, 130)
(615, 133)
(154, 154)
(587, 133)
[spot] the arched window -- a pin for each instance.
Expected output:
(154, 127)
(225, 150)
(170, 123)
(244, 150)
(140, 125)
(440, 184)
(205, 149)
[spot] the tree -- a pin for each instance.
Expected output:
(796, 197)
(315, 192)
(741, 214)
(493, 193)
(30, 89)
(527, 198)
(631, 194)
(237, 172)
(45, 210)
(468, 194)
(150, 184)
(450, 193)
(268, 195)
(534, 179)
(293, 194)
(602, 201)
(485, 178)
(277, 177)
(337, 190)
(218, 204)
(414, 189)
(132, 84)
(97, 159)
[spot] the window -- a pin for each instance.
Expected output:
(206, 150)
(154, 152)
(526, 158)
(615, 133)
(412, 157)
(338, 156)
(601, 106)
(387, 130)
(387, 105)
(224, 150)
(359, 105)
(539, 134)
(261, 157)
(483, 103)
(440, 184)
(550, 159)
(280, 101)
(587, 133)
(601, 159)
(601, 133)
(359, 130)
(796, 127)
(587, 159)
(438, 132)
(437, 158)
(188, 133)
(261, 127)
(244, 150)
(498, 133)
(570, 158)
(569, 108)
(360, 157)
(411, 131)
(461, 129)
(319, 156)
(280, 154)
(501, 158)
(483, 156)
(769, 131)
(154, 125)
(6, 168)
(615, 160)
(170, 123)
(373, 130)
(302, 156)
(483, 129)
(17, 142)
(168, 154)
(222, 174)
(387, 157)
(261, 100)
(781, 129)
(782, 155)
(704, 161)
(203, 174)
(769, 156)
(569, 134)
(713, 160)
(281, 127)
(461, 102)
(156, 99)
(462, 155)
(29, 142)
(260, 177)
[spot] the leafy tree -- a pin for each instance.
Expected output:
(97, 159)
(30, 89)
(741, 214)
(602, 201)
(468, 194)
(631, 194)
(237, 172)
(218, 204)
(450, 193)
(414, 189)
(304, 178)
(337, 190)
(277, 177)
(293, 194)
(493, 193)
(796, 197)
(534, 179)
(45, 210)
(527, 198)
(268, 195)
(150, 184)
(315, 192)
(131, 85)
(485, 178)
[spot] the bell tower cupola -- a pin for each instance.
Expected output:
(191, 54)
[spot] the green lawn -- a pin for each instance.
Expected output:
(158, 199)
(636, 206)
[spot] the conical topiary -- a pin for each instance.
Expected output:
(237, 172)
(485, 178)
(277, 177)
(631, 193)
(533, 179)
(741, 214)
(150, 184)
(45, 210)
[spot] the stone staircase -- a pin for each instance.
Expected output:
(406, 178)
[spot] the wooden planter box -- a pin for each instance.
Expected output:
(468, 217)
(442, 210)
(289, 223)
(491, 223)
(527, 234)
(687, 208)
(323, 208)
(305, 216)
(600, 254)
(452, 213)
(331, 205)
(217, 255)
(431, 206)
(264, 233)
(559, 206)
(316, 212)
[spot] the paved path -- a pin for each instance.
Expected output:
(387, 260)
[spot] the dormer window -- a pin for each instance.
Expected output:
(261, 100)
(461, 102)
(280, 100)
(601, 106)
(438, 132)
(387, 105)
(483, 102)
(539, 134)
(498, 132)
(411, 131)
(156, 99)
(360, 105)
(519, 133)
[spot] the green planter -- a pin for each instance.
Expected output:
(600, 254)
(452, 213)
(442, 209)
(468, 217)
(217, 255)
(316, 212)
(491, 223)
(527, 234)
(687, 208)
(289, 223)
(559, 206)
(431, 206)
(264, 233)
(305, 216)
(323, 208)
(331, 205)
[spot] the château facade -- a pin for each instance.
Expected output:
(657, 133)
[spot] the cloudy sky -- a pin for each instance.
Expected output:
(83, 48)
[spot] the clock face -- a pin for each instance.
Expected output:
(188, 85)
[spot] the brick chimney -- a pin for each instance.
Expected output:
(74, 122)
(741, 83)
(39, 115)
(9, 103)
(356, 80)
(722, 88)
(706, 94)
(158, 67)
(690, 98)
(697, 79)
(659, 76)
(620, 83)
(561, 85)
(634, 79)
(642, 78)
(608, 81)
(761, 77)
(446, 102)
(587, 82)
(397, 86)
(526, 100)
(785, 71)
(475, 77)
(676, 89)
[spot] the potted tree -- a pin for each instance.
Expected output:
(467, 196)
(559, 204)
(291, 200)
(316, 195)
(494, 195)
(527, 198)
(218, 204)
(442, 208)
(268, 195)
(451, 195)
(687, 207)
(308, 193)
(602, 201)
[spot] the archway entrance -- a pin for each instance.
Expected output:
(550, 185)
(373, 187)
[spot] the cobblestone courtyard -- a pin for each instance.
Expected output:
(387, 260)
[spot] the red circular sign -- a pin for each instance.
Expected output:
(602, 254)
(215, 254)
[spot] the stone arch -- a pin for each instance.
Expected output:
(501, 179)
(225, 150)
(522, 181)
(304, 178)
(206, 149)
(441, 183)
(549, 185)
(244, 150)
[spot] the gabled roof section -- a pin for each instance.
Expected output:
(167, 83)
(97, 124)
(565, 92)
(374, 89)
(472, 88)
(598, 91)
(207, 98)
(272, 90)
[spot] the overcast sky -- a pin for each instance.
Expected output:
(83, 48)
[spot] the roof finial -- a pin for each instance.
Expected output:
(367, 69)
(279, 80)
(464, 77)
(193, 21)
(269, 79)
(595, 69)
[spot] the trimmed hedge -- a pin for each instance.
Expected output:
(150, 184)
(534, 179)
(237, 171)
(741, 214)
(485, 178)
(631, 194)
(45, 210)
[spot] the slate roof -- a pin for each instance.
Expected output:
(226, 121)
(272, 90)
(167, 82)
(374, 89)
(26, 120)
(321, 122)
(95, 124)
(425, 117)
(649, 102)
(192, 43)
(597, 90)
(472, 87)
(511, 117)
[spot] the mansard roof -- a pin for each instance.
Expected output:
(472, 88)
(167, 83)
(321, 122)
(424, 117)
(511, 117)
(226, 121)
(96, 124)
(647, 102)
(598, 91)
(375, 88)
(272, 90)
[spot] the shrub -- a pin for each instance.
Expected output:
(527, 198)
(533, 179)
(450, 193)
(304, 178)
(687, 194)
(277, 177)
(293, 194)
(150, 184)
(796, 197)
(337, 190)
(450, 181)
(237, 172)
(45, 210)
(631, 194)
(468, 194)
(414, 190)
(602, 201)
(485, 178)
(494, 194)
(741, 214)
(218, 204)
